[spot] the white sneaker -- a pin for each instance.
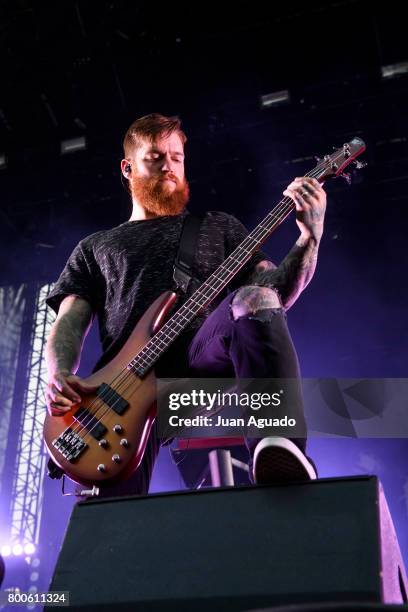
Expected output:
(280, 460)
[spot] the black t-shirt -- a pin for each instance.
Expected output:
(121, 271)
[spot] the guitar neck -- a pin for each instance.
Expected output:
(209, 290)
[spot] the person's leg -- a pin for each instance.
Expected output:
(247, 336)
(262, 348)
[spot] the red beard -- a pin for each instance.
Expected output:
(153, 195)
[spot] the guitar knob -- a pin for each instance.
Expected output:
(116, 458)
(117, 428)
(101, 468)
(104, 443)
(124, 443)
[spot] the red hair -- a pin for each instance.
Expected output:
(148, 128)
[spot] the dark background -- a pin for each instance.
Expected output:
(72, 69)
(91, 68)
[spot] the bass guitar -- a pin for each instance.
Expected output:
(102, 440)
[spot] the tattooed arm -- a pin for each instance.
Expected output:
(293, 274)
(296, 271)
(63, 353)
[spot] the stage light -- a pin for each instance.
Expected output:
(73, 145)
(393, 70)
(17, 550)
(29, 549)
(5, 551)
(276, 98)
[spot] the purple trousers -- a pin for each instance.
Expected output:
(253, 346)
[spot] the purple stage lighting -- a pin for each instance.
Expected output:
(29, 549)
(5, 551)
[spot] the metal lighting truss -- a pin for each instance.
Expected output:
(11, 315)
(27, 491)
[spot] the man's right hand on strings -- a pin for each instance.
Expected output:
(64, 390)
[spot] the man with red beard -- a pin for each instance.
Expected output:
(157, 183)
(116, 274)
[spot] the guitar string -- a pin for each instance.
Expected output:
(129, 375)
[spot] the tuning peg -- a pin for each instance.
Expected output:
(346, 150)
(359, 164)
(318, 159)
(347, 177)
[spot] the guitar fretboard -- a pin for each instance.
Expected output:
(209, 290)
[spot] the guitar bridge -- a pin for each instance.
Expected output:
(69, 444)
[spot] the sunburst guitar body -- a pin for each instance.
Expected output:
(101, 440)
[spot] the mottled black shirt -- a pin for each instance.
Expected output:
(121, 271)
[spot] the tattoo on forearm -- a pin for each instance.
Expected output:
(65, 342)
(293, 274)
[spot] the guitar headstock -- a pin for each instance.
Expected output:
(334, 164)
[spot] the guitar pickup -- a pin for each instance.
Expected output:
(112, 399)
(90, 423)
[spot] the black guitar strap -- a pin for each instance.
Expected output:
(183, 263)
